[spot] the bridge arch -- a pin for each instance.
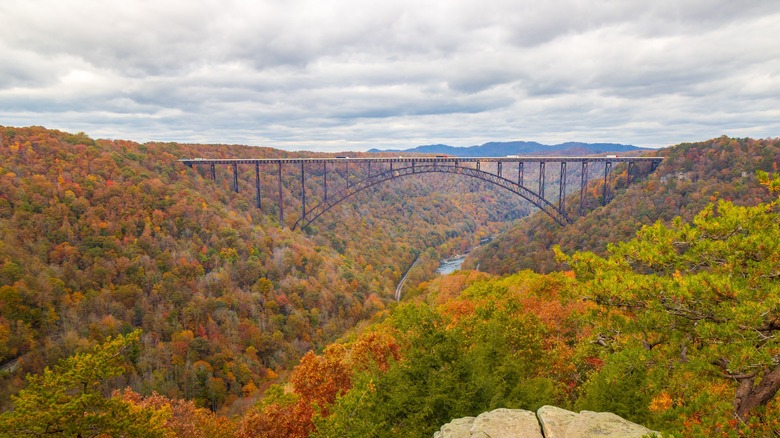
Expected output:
(324, 206)
(415, 165)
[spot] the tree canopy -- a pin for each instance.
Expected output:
(69, 400)
(695, 305)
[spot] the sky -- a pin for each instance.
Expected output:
(334, 75)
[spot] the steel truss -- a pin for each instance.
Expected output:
(419, 168)
(406, 166)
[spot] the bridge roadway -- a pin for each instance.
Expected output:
(448, 159)
(397, 167)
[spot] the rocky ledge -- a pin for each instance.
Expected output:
(547, 422)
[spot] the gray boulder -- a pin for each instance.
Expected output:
(506, 423)
(547, 422)
(457, 428)
(603, 425)
(555, 421)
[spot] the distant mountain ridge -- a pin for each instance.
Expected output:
(500, 149)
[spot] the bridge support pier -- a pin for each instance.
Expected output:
(520, 169)
(541, 179)
(325, 179)
(583, 186)
(607, 167)
(303, 190)
(281, 198)
(235, 177)
(257, 184)
(213, 172)
(562, 187)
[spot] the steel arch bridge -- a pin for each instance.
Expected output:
(369, 172)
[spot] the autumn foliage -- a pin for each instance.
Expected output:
(140, 298)
(99, 237)
(316, 383)
(179, 418)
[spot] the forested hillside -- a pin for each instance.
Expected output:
(174, 299)
(692, 175)
(674, 329)
(101, 237)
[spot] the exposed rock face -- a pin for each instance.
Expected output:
(506, 422)
(548, 422)
(560, 423)
(555, 421)
(457, 428)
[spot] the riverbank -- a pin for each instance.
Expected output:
(448, 266)
(452, 264)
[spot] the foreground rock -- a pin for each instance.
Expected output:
(457, 428)
(548, 422)
(505, 422)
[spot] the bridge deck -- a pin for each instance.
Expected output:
(524, 159)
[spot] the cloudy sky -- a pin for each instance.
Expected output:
(351, 75)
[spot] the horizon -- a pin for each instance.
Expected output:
(352, 150)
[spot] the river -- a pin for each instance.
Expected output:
(451, 265)
(445, 267)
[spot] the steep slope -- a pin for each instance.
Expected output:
(100, 237)
(691, 175)
(471, 342)
(675, 329)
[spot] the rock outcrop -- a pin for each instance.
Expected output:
(547, 422)
(457, 428)
(504, 422)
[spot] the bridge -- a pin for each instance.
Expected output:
(524, 176)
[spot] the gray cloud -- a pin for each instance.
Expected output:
(353, 74)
